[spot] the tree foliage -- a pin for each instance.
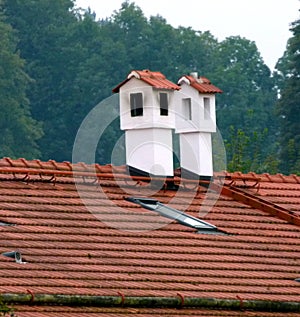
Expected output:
(248, 99)
(75, 60)
(19, 132)
(288, 106)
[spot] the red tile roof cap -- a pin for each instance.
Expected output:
(202, 84)
(155, 79)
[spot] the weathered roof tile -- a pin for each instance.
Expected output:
(202, 84)
(155, 79)
(85, 242)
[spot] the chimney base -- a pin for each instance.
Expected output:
(157, 181)
(203, 179)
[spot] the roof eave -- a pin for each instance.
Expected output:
(177, 301)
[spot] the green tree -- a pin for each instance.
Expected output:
(46, 43)
(19, 132)
(162, 45)
(249, 96)
(60, 47)
(131, 28)
(195, 51)
(288, 106)
(237, 159)
(245, 153)
(75, 61)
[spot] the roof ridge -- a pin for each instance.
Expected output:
(36, 166)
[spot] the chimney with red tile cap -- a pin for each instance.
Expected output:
(195, 122)
(147, 116)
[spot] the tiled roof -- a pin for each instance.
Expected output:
(154, 79)
(79, 236)
(202, 84)
(58, 311)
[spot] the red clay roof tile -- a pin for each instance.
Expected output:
(202, 84)
(65, 311)
(70, 248)
(154, 79)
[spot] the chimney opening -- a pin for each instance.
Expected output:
(164, 103)
(207, 113)
(136, 104)
(187, 108)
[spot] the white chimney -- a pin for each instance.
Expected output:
(195, 122)
(147, 116)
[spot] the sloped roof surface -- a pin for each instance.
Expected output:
(57, 311)
(154, 79)
(277, 189)
(79, 236)
(202, 84)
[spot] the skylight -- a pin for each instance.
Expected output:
(16, 255)
(3, 223)
(179, 216)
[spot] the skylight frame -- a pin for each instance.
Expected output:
(181, 217)
(6, 224)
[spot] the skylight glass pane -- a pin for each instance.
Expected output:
(2, 223)
(191, 222)
(167, 212)
(150, 206)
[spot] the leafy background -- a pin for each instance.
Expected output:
(57, 62)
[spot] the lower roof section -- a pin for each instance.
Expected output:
(78, 235)
(67, 311)
(47, 305)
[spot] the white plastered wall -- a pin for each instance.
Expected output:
(196, 153)
(150, 150)
(198, 121)
(195, 132)
(151, 108)
(148, 138)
